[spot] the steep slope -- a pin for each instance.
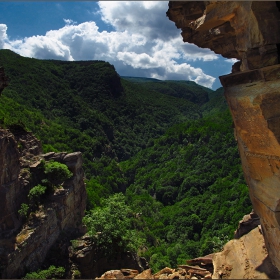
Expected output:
(182, 89)
(72, 106)
(84, 100)
(41, 197)
(189, 187)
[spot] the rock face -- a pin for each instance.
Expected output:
(91, 262)
(24, 247)
(248, 31)
(188, 272)
(244, 258)
(248, 223)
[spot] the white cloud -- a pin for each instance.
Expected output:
(69, 21)
(144, 17)
(144, 43)
(231, 60)
(3, 35)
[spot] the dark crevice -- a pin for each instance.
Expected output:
(278, 5)
(278, 52)
(278, 45)
(270, 107)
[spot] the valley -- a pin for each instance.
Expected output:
(166, 148)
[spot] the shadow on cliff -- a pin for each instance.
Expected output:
(269, 269)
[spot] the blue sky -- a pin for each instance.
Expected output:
(136, 37)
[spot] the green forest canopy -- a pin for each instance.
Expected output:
(167, 146)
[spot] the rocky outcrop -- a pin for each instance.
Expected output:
(10, 187)
(248, 223)
(250, 32)
(184, 272)
(91, 262)
(247, 30)
(18, 152)
(23, 246)
(244, 258)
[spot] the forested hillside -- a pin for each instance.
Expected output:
(167, 146)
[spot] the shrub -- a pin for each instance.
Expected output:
(57, 172)
(36, 192)
(112, 227)
(51, 273)
(23, 211)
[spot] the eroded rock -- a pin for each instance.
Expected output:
(91, 262)
(23, 247)
(248, 223)
(248, 31)
(244, 258)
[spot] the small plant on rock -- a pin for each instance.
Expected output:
(36, 193)
(51, 273)
(56, 173)
(23, 211)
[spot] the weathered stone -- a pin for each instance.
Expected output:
(129, 273)
(165, 270)
(188, 267)
(244, 258)
(112, 274)
(248, 31)
(174, 275)
(10, 187)
(146, 274)
(208, 259)
(27, 249)
(92, 263)
(248, 223)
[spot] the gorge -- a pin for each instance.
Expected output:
(247, 31)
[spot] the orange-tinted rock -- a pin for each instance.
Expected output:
(244, 258)
(255, 108)
(202, 260)
(129, 273)
(248, 223)
(246, 30)
(250, 32)
(112, 274)
(146, 274)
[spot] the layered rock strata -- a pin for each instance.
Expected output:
(187, 272)
(244, 258)
(23, 247)
(248, 31)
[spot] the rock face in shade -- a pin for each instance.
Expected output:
(23, 247)
(250, 32)
(246, 30)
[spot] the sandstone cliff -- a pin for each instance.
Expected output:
(250, 32)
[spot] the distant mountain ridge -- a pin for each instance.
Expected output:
(98, 112)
